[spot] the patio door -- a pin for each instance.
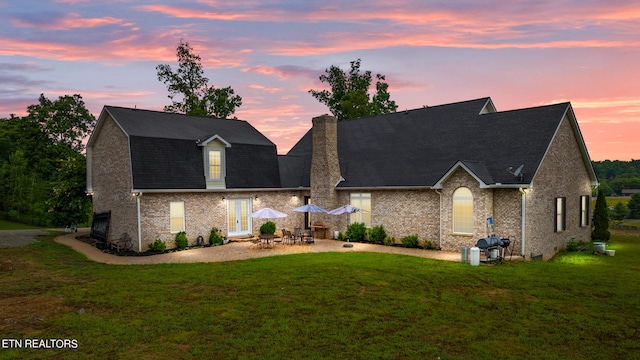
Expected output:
(238, 215)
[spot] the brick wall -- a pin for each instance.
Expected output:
(561, 174)
(325, 170)
(204, 210)
(111, 179)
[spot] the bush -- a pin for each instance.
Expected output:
(427, 245)
(214, 237)
(356, 232)
(158, 245)
(573, 245)
(181, 240)
(268, 228)
(377, 234)
(410, 241)
(388, 241)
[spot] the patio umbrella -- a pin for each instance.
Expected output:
(267, 213)
(346, 209)
(310, 208)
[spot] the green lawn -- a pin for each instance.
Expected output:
(10, 225)
(324, 306)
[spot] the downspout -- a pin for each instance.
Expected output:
(523, 231)
(139, 224)
(440, 227)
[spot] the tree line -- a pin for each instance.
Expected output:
(617, 175)
(42, 163)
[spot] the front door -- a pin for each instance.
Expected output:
(238, 214)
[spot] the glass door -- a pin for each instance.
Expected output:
(238, 214)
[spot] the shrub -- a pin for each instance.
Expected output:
(158, 245)
(356, 232)
(428, 245)
(573, 245)
(340, 235)
(268, 228)
(181, 240)
(388, 241)
(214, 237)
(377, 234)
(410, 241)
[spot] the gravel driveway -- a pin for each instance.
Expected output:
(17, 238)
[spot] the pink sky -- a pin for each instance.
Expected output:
(521, 54)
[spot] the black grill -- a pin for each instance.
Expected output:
(492, 245)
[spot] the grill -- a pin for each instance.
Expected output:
(493, 247)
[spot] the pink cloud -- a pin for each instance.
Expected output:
(70, 21)
(264, 88)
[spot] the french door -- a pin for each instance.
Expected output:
(238, 214)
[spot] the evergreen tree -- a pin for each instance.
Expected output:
(620, 211)
(600, 219)
(634, 206)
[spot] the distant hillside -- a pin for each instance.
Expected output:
(617, 175)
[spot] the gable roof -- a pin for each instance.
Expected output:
(166, 150)
(421, 147)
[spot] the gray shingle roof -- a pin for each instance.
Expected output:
(165, 152)
(418, 147)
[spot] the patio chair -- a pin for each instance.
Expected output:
(297, 235)
(288, 237)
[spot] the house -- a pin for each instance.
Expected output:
(437, 172)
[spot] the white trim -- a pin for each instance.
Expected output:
(456, 166)
(214, 137)
(139, 224)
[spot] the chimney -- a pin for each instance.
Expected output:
(325, 169)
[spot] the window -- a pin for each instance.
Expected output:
(561, 214)
(363, 202)
(463, 211)
(584, 210)
(215, 165)
(176, 210)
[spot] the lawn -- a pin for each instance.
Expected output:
(324, 306)
(10, 225)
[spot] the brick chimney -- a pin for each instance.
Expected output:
(325, 169)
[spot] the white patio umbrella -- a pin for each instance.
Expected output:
(345, 209)
(310, 208)
(267, 213)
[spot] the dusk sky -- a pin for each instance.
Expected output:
(520, 53)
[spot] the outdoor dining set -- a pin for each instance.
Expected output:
(299, 235)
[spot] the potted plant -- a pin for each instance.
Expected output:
(268, 228)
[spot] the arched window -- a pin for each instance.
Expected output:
(463, 211)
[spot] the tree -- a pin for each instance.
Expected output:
(69, 204)
(634, 206)
(65, 121)
(620, 211)
(600, 219)
(37, 185)
(349, 96)
(198, 98)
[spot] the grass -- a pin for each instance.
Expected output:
(324, 306)
(10, 225)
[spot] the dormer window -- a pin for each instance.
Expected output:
(213, 153)
(215, 165)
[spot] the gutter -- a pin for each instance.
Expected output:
(139, 223)
(524, 222)
(440, 227)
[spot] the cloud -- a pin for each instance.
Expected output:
(264, 88)
(66, 22)
(283, 72)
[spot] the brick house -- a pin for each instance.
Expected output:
(437, 172)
